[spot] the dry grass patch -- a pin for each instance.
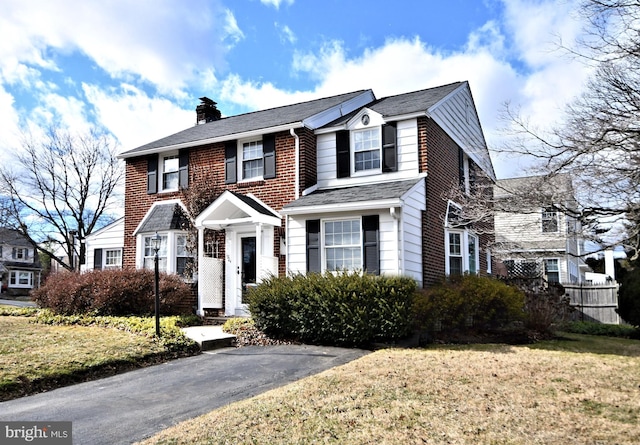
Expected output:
(488, 395)
(35, 357)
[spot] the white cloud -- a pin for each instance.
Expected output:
(133, 117)
(145, 39)
(286, 34)
(276, 3)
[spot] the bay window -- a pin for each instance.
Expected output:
(462, 252)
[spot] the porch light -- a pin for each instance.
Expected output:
(155, 245)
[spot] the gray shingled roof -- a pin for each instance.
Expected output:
(255, 205)
(408, 103)
(241, 123)
(361, 193)
(13, 238)
(165, 217)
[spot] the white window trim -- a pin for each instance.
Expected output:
(464, 240)
(323, 247)
(172, 247)
(161, 158)
(352, 150)
(558, 264)
(240, 163)
(16, 277)
(105, 265)
(542, 221)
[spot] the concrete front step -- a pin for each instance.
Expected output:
(210, 337)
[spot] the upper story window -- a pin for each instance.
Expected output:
(366, 150)
(167, 172)
(252, 160)
(170, 172)
(549, 221)
(20, 253)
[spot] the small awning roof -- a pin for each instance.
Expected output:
(233, 208)
(163, 217)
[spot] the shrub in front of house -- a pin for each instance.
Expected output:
(468, 303)
(111, 292)
(345, 309)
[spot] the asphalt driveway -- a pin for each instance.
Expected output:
(132, 406)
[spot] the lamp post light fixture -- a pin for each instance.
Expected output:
(155, 245)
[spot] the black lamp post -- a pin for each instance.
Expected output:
(155, 244)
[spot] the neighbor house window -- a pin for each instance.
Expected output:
(20, 278)
(113, 259)
(20, 253)
(366, 149)
(343, 244)
(549, 221)
(252, 160)
(149, 253)
(552, 270)
(170, 172)
(462, 253)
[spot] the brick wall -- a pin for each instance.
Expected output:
(206, 163)
(438, 157)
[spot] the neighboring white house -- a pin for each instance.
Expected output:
(19, 263)
(535, 237)
(104, 247)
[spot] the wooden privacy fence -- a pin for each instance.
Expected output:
(594, 302)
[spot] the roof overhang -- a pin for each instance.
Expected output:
(213, 140)
(230, 209)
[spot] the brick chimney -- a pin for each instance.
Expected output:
(207, 111)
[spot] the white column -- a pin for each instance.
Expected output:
(258, 252)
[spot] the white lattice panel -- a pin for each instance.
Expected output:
(210, 282)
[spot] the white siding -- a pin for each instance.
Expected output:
(411, 236)
(457, 116)
(109, 237)
(408, 164)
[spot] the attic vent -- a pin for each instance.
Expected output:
(207, 111)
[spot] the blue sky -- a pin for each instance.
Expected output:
(137, 68)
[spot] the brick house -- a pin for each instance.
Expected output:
(344, 182)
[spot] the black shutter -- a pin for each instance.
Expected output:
(389, 148)
(313, 246)
(343, 155)
(269, 156)
(370, 242)
(97, 259)
(230, 165)
(183, 178)
(152, 174)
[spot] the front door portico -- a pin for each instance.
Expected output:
(249, 248)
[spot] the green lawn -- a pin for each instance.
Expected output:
(35, 357)
(576, 390)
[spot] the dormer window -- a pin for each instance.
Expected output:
(366, 149)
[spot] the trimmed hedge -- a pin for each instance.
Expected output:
(345, 309)
(468, 302)
(111, 292)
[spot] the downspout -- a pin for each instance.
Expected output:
(400, 249)
(297, 163)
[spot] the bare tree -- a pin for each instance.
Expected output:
(598, 143)
(58, 188)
